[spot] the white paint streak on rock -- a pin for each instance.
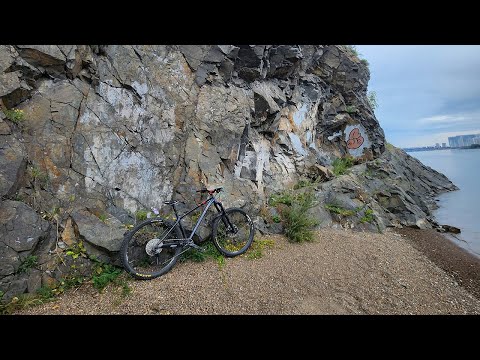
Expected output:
(356, 138)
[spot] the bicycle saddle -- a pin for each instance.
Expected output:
(171, 202)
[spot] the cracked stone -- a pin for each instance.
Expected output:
(21, 227)
(107, 235)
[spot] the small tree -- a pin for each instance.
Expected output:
(372, 99)
(352, 49)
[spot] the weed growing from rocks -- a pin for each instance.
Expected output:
(341, 165)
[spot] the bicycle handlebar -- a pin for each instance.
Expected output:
(217, 190)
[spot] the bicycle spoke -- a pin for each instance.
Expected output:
(235, 235)
(143, 253)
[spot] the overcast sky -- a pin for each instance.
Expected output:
(425, 93)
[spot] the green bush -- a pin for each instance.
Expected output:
(30, 262)
(38, 175)
(210, 252)
(15, 115)
(303, 183)
(23, 301)
(77, 250)
(20, 302)
(46, 292)
(365, 62)
(258, 245)
(352, 49)
(339, 210)
(367, 217)
(284, 197)
(141, 215)
(341, 165)
(351, 109)
(104, 275)
(390, 147)
(298, 225)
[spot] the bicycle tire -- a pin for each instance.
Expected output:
(135, 258)
(233, 244)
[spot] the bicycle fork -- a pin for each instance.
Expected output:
(224, 217)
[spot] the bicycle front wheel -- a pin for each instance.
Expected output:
(143, 252)
(233, 232)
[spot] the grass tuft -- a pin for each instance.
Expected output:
(341, 165)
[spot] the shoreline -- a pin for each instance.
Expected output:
(450, 257)
(456, 240)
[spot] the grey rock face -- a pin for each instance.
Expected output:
(119, 129)
(21, 231)
(12, 161)
(397, 188)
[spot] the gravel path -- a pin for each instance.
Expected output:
(342, 272)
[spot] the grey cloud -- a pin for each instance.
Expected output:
(415, 82)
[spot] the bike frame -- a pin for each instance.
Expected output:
(218, 205)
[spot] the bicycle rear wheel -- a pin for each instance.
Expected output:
(233, 241)
(143, 250)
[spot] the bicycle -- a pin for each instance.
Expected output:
(153, 247)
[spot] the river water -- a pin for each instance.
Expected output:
(459, 208)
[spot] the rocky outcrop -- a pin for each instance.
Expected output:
(21, 232)
(393, 190)
(108, 131)
(396, 189)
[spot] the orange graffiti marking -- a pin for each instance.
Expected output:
(355, 139)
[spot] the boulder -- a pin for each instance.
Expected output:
(107, 235)
(7, 57)
(42, 55)
(34, 281)
(15, 288)
(21, 228)
(450, 229)
(9, 82)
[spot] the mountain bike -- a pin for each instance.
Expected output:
(153, 247)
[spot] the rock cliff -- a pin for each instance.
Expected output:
(107, 132)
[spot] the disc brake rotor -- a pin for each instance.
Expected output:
(233, 234)
(153, 247)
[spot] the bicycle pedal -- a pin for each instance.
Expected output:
(195, 246)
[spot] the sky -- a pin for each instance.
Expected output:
(425, 93)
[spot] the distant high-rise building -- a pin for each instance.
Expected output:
(453, 141)
(462, 140)
(476, 140)
(437, 145)
(444, 144)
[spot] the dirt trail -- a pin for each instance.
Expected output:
(342, 272)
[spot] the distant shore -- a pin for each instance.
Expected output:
(433, 148)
